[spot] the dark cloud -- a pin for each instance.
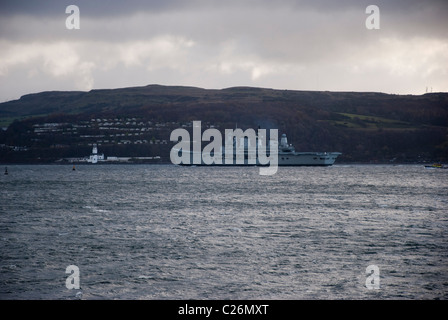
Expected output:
(277, 43)
(115, 7)
(214, 18)
(91, 8)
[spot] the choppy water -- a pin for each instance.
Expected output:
(168, 232)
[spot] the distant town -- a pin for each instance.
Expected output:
(109, 140)
(106, 131)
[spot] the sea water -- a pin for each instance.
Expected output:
(171, 232)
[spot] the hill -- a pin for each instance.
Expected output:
(137, 121)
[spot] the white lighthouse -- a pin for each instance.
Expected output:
(94, 157)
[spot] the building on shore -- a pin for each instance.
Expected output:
(96, 157)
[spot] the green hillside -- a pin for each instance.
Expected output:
(364, 126)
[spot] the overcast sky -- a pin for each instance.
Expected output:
(280, 44)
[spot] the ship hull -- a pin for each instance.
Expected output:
(308, 159)
(319, 159)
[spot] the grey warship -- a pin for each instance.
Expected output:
(287, 156)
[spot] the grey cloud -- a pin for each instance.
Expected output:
(289, 44)
(211, 19)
